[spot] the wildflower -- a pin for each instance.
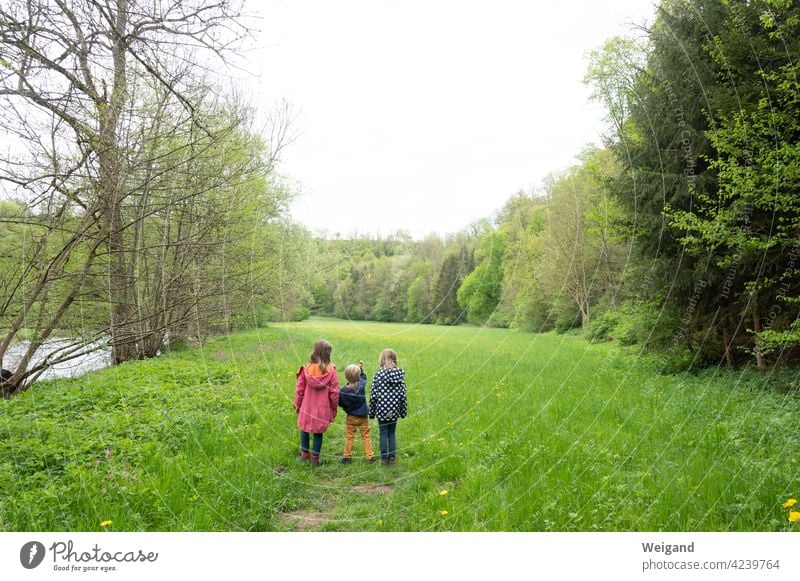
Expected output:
(106, 523)
(789, 503)
(445, 513)
(379, 522)
(442, 493)
(794, 516)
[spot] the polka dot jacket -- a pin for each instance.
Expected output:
(387, 399)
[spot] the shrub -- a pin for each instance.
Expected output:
(601, 327)
(266, 315)
(300, 314)
(533, 317)
(565, 322)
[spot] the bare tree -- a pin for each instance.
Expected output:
(72, 76)
(201, 206)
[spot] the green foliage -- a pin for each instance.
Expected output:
(480, 291)
(566, 253)
(771, 341)
(266, 315)
(706, 120)
(612, 75)
(567, 321)
(534, 312)
(300, 314)
(750, 222)
(366, 278)
(601, 328)
(201, 246)
(381, 311)
(419, 296)
(456, 266)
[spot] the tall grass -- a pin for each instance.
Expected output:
(523, 432)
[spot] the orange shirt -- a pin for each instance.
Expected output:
(314, 370)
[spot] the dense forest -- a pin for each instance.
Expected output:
(141, 208)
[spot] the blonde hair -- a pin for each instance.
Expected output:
(387, 356)
(352, 373)
(321, 354)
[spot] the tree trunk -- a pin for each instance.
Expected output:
(760, 361)
(584, 314)
(111, 185)
(727, 340)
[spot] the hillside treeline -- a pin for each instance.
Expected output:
(681, 234)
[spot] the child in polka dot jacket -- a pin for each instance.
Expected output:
(387, 402)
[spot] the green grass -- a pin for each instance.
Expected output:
(525, 432)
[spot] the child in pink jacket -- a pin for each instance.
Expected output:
(316, 399)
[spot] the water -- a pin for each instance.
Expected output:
(74, 367)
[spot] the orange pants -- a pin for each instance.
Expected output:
(351, 424)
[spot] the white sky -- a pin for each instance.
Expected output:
(428, 115)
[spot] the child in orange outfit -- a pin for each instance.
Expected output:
(353, 400)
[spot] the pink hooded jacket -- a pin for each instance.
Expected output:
(316, 399)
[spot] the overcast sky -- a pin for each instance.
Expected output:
(425, 116)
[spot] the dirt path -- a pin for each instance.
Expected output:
(305, 520)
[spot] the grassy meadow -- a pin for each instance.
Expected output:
(507, 431)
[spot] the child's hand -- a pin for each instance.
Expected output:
(361, 364)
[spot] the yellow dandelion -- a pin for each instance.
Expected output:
(106, 523)
(789, 503)
(379, 522)
(442, 493)
(445, 513)
(794, 516)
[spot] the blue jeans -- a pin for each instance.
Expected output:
(388, 441)
(304, 441)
